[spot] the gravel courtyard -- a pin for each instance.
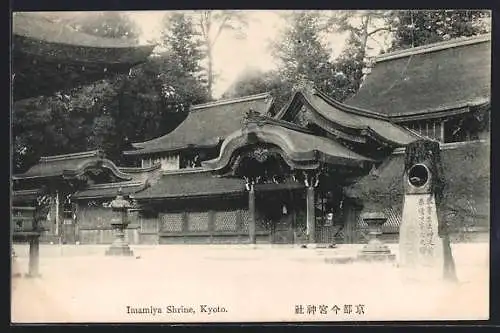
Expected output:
(266, 283)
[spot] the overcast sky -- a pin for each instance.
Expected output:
(232, 56)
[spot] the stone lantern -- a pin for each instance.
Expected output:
(375, 250)
(120, 207)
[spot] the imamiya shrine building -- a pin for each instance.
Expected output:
(240, 171)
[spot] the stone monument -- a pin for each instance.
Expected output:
(424, 246)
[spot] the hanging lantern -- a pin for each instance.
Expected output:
(284, 210)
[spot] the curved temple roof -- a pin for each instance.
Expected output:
(301, 149)
(71, 165)
(348, 122)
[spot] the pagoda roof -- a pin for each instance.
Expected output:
(49, 56)
(206, 125)
(428, 81)
(70, 165)
(344, 121)
(300, 148)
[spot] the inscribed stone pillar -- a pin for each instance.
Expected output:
(424, 249)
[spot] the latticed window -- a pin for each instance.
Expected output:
(198, 221)
(245, 218)
(171, 222)
(226, 221)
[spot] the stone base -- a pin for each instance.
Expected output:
(340, 260)
(318, 246)
(376, 257)
(119, 251)
(32, 276)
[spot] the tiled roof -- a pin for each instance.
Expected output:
(191, 183)
(330, 115)
(109, 190)
(429, 78)
(206, 125)
(70, 165)
(302, 149)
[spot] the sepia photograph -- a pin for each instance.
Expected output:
(228, 166)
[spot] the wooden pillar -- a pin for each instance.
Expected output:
(34, 257)
(350, 223)
(311, 216)
(311, 181)
(442, 131)
(57, 214)
(251, 209)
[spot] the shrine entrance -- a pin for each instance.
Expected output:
(278, 211)
(267, 153)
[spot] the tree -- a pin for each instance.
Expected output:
(251, 81)
(181, 38)
(420, 27)
(364, 28)
(302, 55)
(255, 81)
(212, 23)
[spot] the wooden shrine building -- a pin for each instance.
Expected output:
(259, 177)
(239, 171)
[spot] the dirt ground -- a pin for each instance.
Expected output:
(245, 283)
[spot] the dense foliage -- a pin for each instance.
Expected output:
(154, 97)
(414, 28)
(111, 113)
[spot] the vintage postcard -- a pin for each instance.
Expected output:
(250, 166)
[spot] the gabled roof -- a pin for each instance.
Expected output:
(70, 165)
(206, 125)
(451, 75)
(347, 122)
(48, 56)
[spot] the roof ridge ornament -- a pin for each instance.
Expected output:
(252, 116)
(305, 85)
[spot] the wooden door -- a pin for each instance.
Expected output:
(68, 231)
(283, 230)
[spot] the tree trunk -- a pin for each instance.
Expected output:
(210, 68)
